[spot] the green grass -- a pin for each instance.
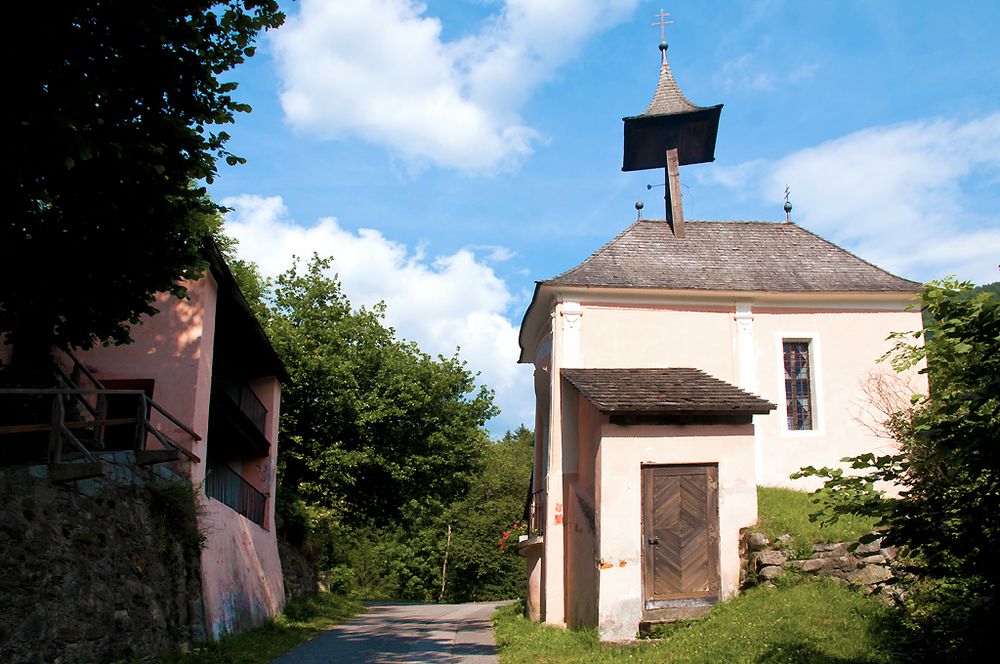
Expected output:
(811, 622)
(302, 619)
(785, 511)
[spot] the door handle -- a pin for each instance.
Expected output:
(654, 540)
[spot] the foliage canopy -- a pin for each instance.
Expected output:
(383, 451)
(948, 515)
(113, 118)
(369, 423)
(949, 460)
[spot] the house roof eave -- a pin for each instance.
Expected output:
(227, 283)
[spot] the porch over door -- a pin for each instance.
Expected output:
(680, 536)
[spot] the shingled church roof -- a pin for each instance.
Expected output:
(671, 390)
(729, 256)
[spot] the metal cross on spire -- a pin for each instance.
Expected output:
(663, 23)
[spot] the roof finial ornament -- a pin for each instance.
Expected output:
(663, 22)
(638, 209)
(788, 206)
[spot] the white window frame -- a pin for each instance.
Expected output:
(815, 383)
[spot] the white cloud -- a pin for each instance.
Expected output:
(441, 303)
(744, 72)
(897, 195)
(380, 69)
(755, 70)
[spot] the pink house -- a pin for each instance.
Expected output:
(676, 369)
(206, 382)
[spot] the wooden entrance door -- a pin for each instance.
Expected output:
(680, 517)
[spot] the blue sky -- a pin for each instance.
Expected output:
(449, 154)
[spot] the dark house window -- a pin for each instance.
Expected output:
(798, 387)
(124, 406)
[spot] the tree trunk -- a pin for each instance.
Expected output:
(444, 566)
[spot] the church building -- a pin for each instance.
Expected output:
(677, 368)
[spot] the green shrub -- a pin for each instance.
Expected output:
(291, 516)
(175, 506)
(949, 620)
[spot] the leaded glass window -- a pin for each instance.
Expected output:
(798, 390)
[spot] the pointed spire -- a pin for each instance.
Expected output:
(670, 122)
(668, 98)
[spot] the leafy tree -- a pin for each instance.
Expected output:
(404, 561)
(369, 423)
(112, 122)
(478, 570)
(949, 460)
(992, 288)
(948, 515)
(383, 448)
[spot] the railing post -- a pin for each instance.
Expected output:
(140, 424)
(102, 415)
(55, 435)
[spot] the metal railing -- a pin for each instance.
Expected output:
(244, 398)
(229, 488)
(253, 408)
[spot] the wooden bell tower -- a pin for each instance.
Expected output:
(671, 133)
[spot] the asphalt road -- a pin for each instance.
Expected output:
(417, 633)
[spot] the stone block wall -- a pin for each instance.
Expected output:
(869, 567)
(298, 568)
(94, 570)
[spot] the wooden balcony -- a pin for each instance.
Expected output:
(77, 428)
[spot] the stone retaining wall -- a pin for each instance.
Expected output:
(298, 568)
(869, 567)
(93, 572)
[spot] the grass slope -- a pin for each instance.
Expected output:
(785, 511)
(302, 619)
(814, 622)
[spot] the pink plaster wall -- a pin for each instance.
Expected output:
(680, 336)
(241, 568)
(241, 571)
(174, 348)
(622, 453)
(846, 347)
(847, 343)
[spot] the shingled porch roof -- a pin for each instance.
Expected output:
(729, 256)
(670, 390)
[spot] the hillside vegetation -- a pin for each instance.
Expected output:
(387, 475)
